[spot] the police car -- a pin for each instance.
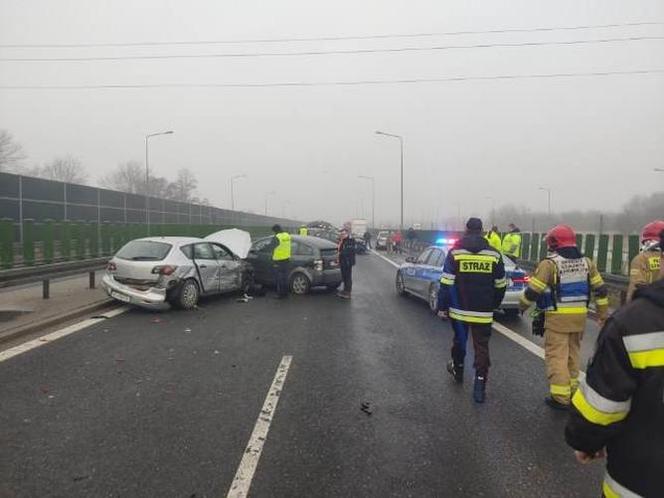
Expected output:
(420, 277)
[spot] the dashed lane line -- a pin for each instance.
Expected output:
(252, 454)
(58, 334)
(498, 327)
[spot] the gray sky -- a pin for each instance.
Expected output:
(594, 140)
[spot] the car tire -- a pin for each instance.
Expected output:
(187, 297)
(433, 298)
(300, 284)
(400, 284)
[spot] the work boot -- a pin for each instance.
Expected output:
(479, 389)
(555, 404)
(456, 372)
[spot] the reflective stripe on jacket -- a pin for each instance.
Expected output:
(283, 251)
(619, 404)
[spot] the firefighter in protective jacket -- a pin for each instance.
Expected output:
(618, 410)
(644, 268)
(472, 286)
(562, 286)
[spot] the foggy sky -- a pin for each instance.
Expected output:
(593, 140)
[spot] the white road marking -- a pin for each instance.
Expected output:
(58, 334)
(498, 327)
(396, 265)
(245, 472)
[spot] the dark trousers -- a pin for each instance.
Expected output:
(346, 274)
(281, 277)
(481, 333)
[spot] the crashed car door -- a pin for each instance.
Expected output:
(208, 267)
(229, 269)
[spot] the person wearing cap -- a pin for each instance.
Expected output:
(644, 268)
(561, 287)
(472, 286)
(618, 411)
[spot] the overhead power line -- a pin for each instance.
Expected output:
(328, 52)
(113, 86)
(330, 38)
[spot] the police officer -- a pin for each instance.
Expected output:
(281, 245)
(512, 242)
(304, 231)
(472, 286)
(561, 286)
(618, 410)
(493, 238)
(644, 268)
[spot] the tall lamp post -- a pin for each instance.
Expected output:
(147, 174)
(268, 194)
(373, 198)
(548, 191)
(378, 132)
(233, 178)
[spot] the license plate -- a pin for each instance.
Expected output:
(120, 297)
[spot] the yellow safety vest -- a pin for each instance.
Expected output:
(283, 251)
(304, 232)
(512, 244)
(494, 241)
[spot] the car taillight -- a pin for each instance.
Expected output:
(521, 280)
(164, 270)
(318, 265)
(110, 266)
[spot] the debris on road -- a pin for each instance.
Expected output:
(366, 408)
(187, 331)
(216, 351)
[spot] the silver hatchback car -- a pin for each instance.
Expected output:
(154, 272)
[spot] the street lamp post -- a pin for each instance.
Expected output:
(378, 132)
(268, 194)
(373, 198)
(147, 175)
(233, 178)
(548, 191)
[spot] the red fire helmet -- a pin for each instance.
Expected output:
(652, 230)
(560, 236)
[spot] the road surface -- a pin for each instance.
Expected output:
(144, 405)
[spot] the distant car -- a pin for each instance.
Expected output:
(154, 272)
(313, 263)
(381, 240)
(420, 276)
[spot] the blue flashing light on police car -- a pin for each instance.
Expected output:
(445, 242)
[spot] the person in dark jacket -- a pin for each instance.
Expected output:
(472, 286)
(346, 256)
(618, 411)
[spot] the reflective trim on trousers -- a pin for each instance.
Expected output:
(612, 489)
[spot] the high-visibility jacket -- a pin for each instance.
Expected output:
(512, 244)
(283, 250)
(304, 231)
(494, 241)
(619, 405)
(473, 282)
(562, 288)
(644, 270)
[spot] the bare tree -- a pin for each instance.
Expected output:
(11, 152)
(184, 187)
(66, 169)
(127, 177)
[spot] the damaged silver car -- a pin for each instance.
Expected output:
(156, 272)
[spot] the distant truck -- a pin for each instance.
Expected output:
(358, 227)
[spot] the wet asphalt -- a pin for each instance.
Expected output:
(146, 405)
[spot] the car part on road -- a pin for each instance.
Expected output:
(300, 284)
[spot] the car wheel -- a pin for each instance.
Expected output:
(300, 284)
(433, 298)
(401, 286)
(188, 296)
